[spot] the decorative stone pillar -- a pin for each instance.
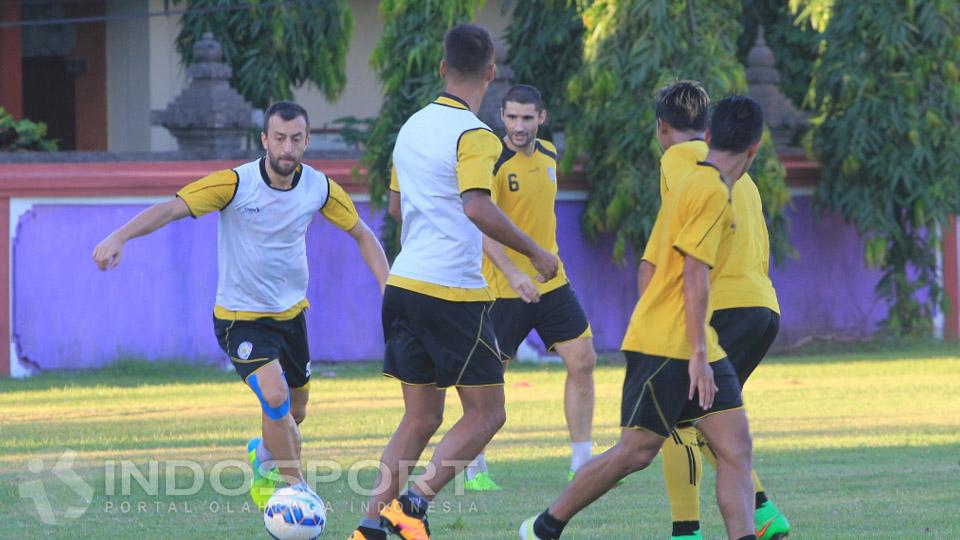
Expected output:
(763, 82)
(209, 118)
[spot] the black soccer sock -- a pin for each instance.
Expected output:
(685, 528)
(748, 537)
(761, 498)
(547, 527)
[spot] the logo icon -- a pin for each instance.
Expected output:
(75, 503)
(244, 350)
(552, 173)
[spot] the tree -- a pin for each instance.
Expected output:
(887, 96)
(23, 135)
(632, 48)
(545, 40)
(273, 46)
(406, 61)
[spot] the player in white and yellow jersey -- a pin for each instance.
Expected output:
(746, 314)
(264, 209)
(436, 318)
(676, 370)
(525, 188)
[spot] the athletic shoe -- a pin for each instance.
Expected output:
(408, 527)
(481, 482)
(770, 523)
(526, 529)
(263, 485)
(697, 535)
(371, 535)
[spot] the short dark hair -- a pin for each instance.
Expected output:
(736, 124)
(524, 94)
(683, 105)
(468, 50)
(287, 110)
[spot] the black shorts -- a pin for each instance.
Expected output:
(557, 317)
(655, 393)
(746, 335)
(439, 342)
(253, 344)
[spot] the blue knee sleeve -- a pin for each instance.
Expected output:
(273, 413)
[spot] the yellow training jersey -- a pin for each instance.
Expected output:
(442, 151)
(743, 279)
(261, 249)
(525, 188)
(695, 220)
(675, 164)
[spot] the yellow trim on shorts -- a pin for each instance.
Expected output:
(394, 377)
(254, 372)
(304, 388)
(648, 430)
(588, 333)
(694, 421)
(251, 360)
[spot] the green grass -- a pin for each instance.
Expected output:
(859, 445)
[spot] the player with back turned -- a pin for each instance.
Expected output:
(676, 371)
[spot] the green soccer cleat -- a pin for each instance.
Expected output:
(771, 524)
(481, 482)
(526, 529)
(263, 485)
(697, 535)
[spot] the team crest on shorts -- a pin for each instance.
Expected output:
(244, 350)
(552, 173)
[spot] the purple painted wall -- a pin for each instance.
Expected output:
(158, 303)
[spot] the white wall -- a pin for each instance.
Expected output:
(128, 78)
(144, 72)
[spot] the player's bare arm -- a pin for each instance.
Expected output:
(492, 222)
(519, 281)
(394, 207)
(108, 251)
(371, 251)
(696, 291)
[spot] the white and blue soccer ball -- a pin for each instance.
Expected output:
(294, 513)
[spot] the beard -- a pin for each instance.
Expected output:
(527, 139)
(279, 168)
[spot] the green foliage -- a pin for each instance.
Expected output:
(274, 47)
(23, 135)
(815, 12)
(406, 61)
(545, 40)
(887, 92)
(794, 45)
(632, 48)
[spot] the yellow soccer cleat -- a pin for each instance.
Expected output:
(402, 524)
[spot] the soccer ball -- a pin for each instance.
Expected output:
(294, 513)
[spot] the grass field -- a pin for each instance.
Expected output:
(858, 445)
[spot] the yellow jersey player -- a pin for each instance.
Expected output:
(436, 318)
(746, 314)
(264, 209)
(525, 188)
(676, 370)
